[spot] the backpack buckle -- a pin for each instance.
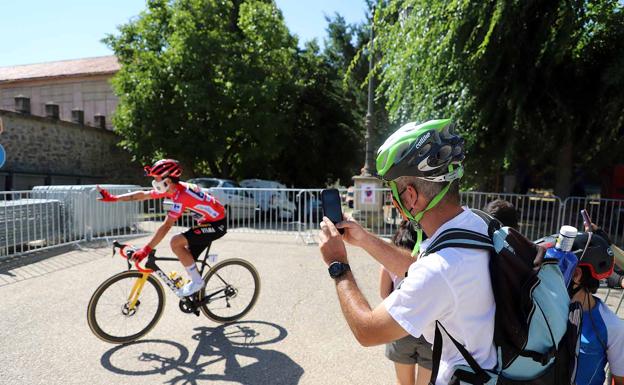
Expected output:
(546, 357)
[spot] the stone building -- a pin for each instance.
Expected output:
(80, 85)
(57, 125)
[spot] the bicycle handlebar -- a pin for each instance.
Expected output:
(128, 257)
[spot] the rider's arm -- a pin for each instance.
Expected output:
(161, 232)
(135, 196)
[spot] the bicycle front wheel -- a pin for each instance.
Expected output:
(125, 307)
(233, 286)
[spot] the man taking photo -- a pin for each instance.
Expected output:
(422, 164)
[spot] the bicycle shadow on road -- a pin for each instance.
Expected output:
(223, 353)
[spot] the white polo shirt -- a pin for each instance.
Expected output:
(451, 286)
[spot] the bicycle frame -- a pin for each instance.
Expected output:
(152, 267)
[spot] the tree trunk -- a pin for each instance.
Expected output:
(563, 173)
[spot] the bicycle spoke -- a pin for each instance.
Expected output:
(110, 316)
(238, 281)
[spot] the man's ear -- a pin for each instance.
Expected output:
(578, 274)
(413, 196)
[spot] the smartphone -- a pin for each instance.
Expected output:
(332, 206)
(586, 220)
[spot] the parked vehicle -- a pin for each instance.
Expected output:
(272, 198)
(238, 203)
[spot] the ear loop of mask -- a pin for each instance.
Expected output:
(416, 219)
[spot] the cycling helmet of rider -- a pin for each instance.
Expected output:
(431, 151)
(165, 173)
(596, 258)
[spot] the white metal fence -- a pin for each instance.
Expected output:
(53, 216)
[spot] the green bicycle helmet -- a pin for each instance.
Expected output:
(431, 151)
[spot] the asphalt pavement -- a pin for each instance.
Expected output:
(294, 335)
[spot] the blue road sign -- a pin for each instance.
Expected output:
(2, 156)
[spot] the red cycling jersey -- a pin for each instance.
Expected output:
(203, 207)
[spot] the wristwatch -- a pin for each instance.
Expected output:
(337, 269)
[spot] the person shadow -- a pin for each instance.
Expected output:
(235, 346)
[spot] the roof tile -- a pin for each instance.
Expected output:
(86, 66)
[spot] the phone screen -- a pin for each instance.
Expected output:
(586, 220)
(332, 208)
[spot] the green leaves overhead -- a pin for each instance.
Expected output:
(522, 78)
(222, 86)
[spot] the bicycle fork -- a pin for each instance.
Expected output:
(133, 297)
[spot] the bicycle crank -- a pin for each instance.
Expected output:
(188, 305)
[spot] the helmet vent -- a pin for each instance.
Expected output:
(445, 152)
(425, 149)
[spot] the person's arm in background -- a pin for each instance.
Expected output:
(615, 281)
(385, 283)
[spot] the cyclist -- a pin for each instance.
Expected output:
(602, 334)
(206, 210)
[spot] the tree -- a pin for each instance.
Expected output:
(205, 81)
(222, 86)
(532, 84)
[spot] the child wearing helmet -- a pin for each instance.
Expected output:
(602, 333)
(206, 210)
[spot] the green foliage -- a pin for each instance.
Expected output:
(533, 84)
(204, 81)
(221, 86)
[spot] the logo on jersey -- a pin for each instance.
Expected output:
(177, 208)
(194, 191)
(208, 210)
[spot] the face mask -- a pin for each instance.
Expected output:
(161, 186)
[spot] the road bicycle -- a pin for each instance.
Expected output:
(129, 304)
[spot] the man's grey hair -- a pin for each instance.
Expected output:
(430, 189)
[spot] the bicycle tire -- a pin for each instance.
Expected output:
(209, 309)
(96, 326)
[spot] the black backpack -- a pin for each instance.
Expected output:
(537, 328)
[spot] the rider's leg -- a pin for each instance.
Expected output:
(179, 245)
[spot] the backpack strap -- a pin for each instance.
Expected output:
(460, 238)
(480, 376)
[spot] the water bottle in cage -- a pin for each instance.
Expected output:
(177, 279)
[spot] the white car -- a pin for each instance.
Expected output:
(272, 197)
(238, 203)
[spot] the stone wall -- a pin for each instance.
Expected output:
(57, 152)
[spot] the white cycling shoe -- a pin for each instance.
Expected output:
(191, 288)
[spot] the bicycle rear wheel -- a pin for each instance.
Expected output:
(110, 314)
(233, 286)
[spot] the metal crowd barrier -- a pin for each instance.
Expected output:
(55, 215)
(538, 216)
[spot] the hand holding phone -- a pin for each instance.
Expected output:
(586, 220)
(332, 207)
